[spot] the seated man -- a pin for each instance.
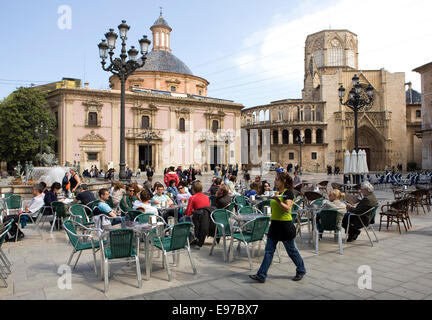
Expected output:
(369, 201)
(104, 208)
(159, 197)
(85, 196)
(126, 203)
(197, 201)
(144, 203)
(34, 206)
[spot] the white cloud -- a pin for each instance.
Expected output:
(393, 34)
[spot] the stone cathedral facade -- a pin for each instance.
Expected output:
(331, 60)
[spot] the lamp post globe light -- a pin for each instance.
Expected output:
(122, 68)
(358, 99)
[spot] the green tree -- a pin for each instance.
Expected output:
(20, 114)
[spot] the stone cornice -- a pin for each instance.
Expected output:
(113, 96)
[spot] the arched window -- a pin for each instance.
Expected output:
(267, 115)
(308, 136)
(254, 117)
(275, 137)
(261, 116)
(296, 136)
(285, 137)
(215, 126)
(335, 54)
(93, 119)
(182, 126)
(145, 122)
(318, 56)
(319, 136)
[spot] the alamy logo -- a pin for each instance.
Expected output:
(365, 281)
(64, 22)
(65, 280)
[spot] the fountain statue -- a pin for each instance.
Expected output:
(47, 159)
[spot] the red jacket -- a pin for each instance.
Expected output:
(197, 201)
(171, 176)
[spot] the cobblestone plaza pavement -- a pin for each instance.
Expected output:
(401, 266)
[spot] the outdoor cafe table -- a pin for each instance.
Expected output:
(176, 208)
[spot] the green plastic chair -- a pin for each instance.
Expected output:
(80, 242)
(132, 214)
(177, 243)
(110, 202)
(260, 206)
(221, 219)
(93, 204)
(59, 210)
(329, 220)
(212, 201)
(241, 201)
(258, 227)
(230, 207)
(79, 214)
(369, 226)
(249, 210)
(13, 202)
(121, 244)
(35, 221)
(3, 257)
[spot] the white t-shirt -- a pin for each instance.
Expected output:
(35, 204)
(148, 208)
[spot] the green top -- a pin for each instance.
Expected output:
(278, 214)
(126, 202)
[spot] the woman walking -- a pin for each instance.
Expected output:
(281, 229)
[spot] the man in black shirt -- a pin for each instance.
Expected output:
(85, 196)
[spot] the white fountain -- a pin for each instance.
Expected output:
(49, 175)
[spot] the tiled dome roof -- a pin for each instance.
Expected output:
(161, 23)
(412, 97)
(160, 60)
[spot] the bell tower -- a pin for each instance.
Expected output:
(161, 34)
(326, 51)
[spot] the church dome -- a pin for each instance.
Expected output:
(161, 23)
(164, 61)
(413, 97)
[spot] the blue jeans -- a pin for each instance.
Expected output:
(269, 252)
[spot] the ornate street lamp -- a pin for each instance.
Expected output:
(41, 132)
(122, 68)
(301, 140)
(358, 99)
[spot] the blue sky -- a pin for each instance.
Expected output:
(250, 51)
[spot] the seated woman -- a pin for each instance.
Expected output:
(266, 187)
(183, 195)
(173, 189)
(335, 202)
(231, 184)
(223, 199)
(49, 198)
(143, 204)
(215, 186)
(118, 192)
(254, 190)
